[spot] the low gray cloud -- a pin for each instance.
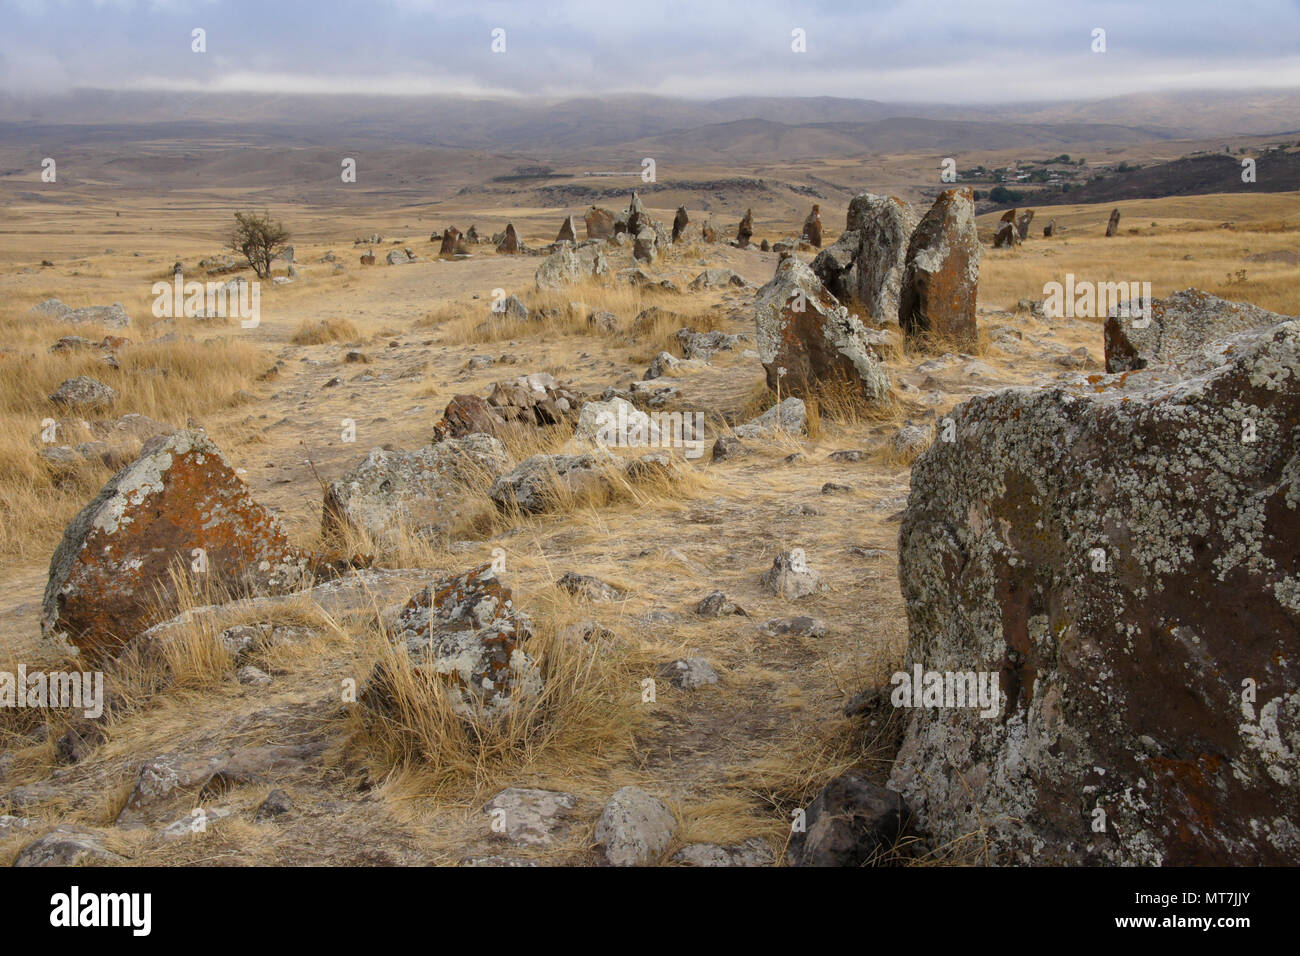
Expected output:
(917, 50)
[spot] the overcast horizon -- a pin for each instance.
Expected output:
(908, 51)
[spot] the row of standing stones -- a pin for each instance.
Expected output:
(1120, 550)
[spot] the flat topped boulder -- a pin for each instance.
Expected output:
(181, 503)
(1177, 328)
(942, 272)
(1119, 557)
(424, 492)
(803, 330)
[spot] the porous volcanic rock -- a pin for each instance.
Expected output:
(1121, 553)
(181, 503)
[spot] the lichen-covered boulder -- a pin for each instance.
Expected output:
(426, 492)
(179, 504)
(1122, 556)
(864, 267)
(942, 272)
(804, 331)
(535, 484)
(1176, 328)
(464, 629)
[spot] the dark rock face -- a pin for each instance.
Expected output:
(745, 231)
(1122, 554)
(452, 243)
(599, 222)
(1049, 230)
(1112, 225)
(812, 227)
(852, 822)
(1178, 328)
(803, 330)
(942, 273)
(568, 231)
(510, 244)
(680, 222)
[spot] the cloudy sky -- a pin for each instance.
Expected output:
(905, 50)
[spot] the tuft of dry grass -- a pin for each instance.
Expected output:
(324, 332)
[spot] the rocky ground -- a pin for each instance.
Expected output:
(712, 639)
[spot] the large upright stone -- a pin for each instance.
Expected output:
(680, 222)
(179, 504)
(1121, 556)
(864, 267)
(637, 217)
(452, 244)
(568, 231)
(812, 227)
(1177, 329)
(1112, 224)
(1022, 223)
(942, 272)
(745, 231)
(599, 222)
(510, 244)
(803, 330)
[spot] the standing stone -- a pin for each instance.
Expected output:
(745, 231)
(680, 222)
(942, 273)
(1007, 236)
(1122, 564)
(1022, 223)
(600, 223)
(471, 235)
(646, 246)
(812, 227)
(369, 258)
(865, 265)
(450, 241)
(1112, 226)
(510, 244)
(568, 231)
(637, 217)
(179, 503)
(1049, 230)
(1008, 216)
(803, 330)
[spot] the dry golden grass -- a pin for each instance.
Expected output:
(324, 332)
(170, 382)
(585, 716)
